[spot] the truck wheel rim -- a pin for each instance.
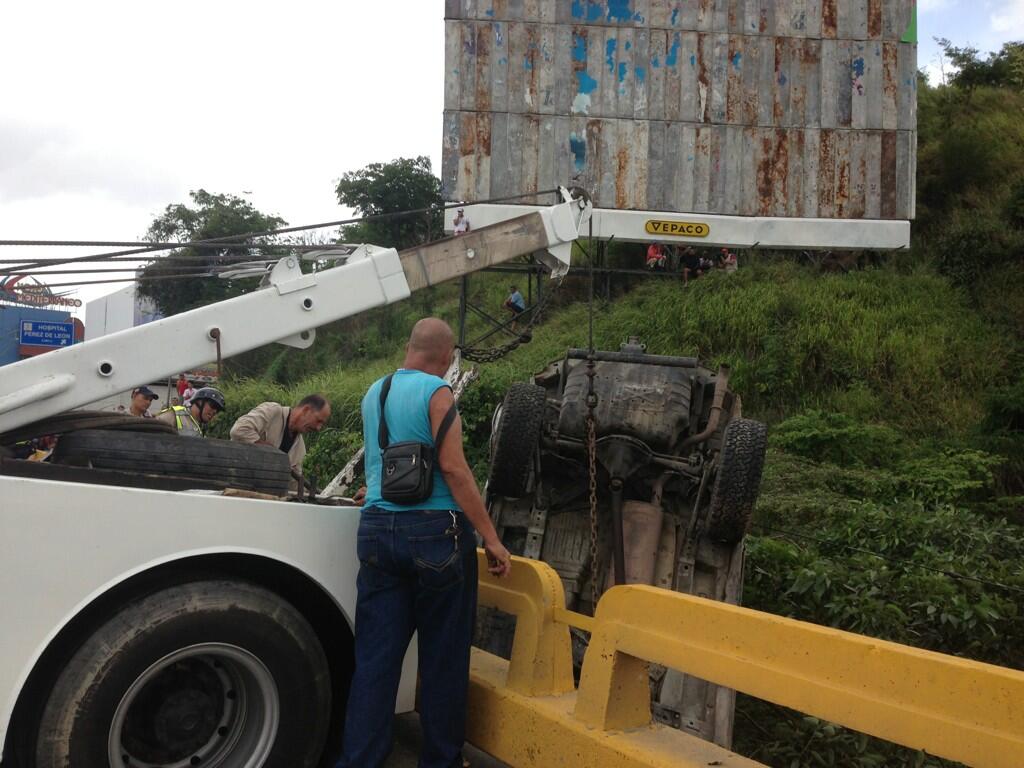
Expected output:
(212, 705)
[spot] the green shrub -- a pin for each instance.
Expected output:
(968, 248)
(838, 439)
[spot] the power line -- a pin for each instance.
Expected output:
(893, 560)
(264, 233)
(183, 268)
(300, 247)
(149, 279)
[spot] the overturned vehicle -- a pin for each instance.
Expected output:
(677, 473)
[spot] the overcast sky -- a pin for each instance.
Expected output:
(110, 111)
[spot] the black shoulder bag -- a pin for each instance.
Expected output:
(407, 469)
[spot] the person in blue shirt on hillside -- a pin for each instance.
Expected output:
(417, 565)
(515, 304)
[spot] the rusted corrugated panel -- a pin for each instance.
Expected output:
(725, 106)
(842, 19)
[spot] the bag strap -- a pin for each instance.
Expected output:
(383, 438)
(446, 422)
(382, 429)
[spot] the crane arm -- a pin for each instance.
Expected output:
(287, 310)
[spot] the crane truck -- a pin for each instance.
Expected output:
(163, 621)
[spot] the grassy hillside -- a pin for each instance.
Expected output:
(893, 498)
(890, 396)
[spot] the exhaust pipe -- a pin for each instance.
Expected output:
(721, 385)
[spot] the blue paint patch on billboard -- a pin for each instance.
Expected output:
(673, 52)
(590, 12)
(579, 48)
(619, 11)
(578, 147)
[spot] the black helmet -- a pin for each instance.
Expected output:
(213, 396)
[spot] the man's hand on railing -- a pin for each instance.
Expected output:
(499, 561)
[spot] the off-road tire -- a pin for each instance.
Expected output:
(210, 463)
(72, 421)
(516, 437)
(737, 481)
(81, 710)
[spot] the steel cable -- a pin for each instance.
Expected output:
(150, 248)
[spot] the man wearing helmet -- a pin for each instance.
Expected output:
(191, 420)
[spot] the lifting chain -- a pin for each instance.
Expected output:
(595, 570)
(496, 353)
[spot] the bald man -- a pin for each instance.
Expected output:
(417, 566)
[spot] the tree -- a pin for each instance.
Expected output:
(1002, 69)
(404, 184)
(209, 216)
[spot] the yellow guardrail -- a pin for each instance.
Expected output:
(525, 711)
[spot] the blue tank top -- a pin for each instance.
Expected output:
(408, 415)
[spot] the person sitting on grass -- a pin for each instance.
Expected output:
(655, 256)
(516, 304)
(691, 265)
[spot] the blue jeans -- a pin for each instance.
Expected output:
(417, 572)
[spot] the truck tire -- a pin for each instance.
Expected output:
(211, 463)
(72, 421)
(220, 674)
(737, 481)
(515, 440)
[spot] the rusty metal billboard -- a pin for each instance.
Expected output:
(798, 108)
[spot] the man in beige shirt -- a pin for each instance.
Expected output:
(283, 427)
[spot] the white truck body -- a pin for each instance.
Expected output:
(78, 560)
(67, 544)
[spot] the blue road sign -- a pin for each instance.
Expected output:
(43, 334)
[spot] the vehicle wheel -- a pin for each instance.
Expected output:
(738, 480)
(220, 462)
(515, 439)
(219, 674)
(73, 421)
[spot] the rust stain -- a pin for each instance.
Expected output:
(483, 134)
(842, 199)
(762, 22)
(705, 11)
(778, 114)
(532, 48)
(828, 18)
(483, 67)
(592, 169)
(826, 173)
(858, 199)
(734, 97)
(703, 79)
(780, 169)
(889, 73)
(468, 134)
(796, 200)
(798, 83)
(874, 18)
(764, 177)
(888, 177)
(621, 180)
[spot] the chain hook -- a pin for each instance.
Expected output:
(595, 590)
